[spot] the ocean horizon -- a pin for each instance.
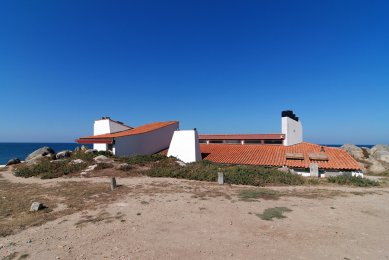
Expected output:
(22, 150)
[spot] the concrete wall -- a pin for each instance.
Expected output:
(185, 146)
(147, 143)
(293, 131)
(107, 126)
(100, 147)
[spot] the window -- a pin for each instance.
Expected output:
(232, 141)
(215, 141)
(252, 142)
(273, 141)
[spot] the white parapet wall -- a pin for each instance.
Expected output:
(293, 131)
(145, 143)
(185, 146)
(106, 126)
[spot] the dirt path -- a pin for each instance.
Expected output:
(179, 225)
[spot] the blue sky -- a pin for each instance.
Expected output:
(219, 66)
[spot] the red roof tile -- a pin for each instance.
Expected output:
(135, 131)
(241, 136)
(275, 155)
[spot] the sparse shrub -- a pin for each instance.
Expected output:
(352, 180)
(87, 157)
(126, 167)
(144, 159)
(102, 166)
(270, 213)
(207, 171)
(252, 194)
(47, 170)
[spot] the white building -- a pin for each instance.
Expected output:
(124, 140)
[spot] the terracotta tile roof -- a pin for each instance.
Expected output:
(275, 155)
(241, 136)
(135, 131)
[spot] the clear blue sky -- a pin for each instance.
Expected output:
(219, 66)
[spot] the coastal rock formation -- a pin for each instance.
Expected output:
(40, 153)
(354, 151)
(380, 152)
(13, 161)
(90, 151)
(102, 159)
(374, 160)
(63, 154)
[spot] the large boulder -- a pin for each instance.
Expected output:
(40, 153)
(381, 152)
(91, 151)
(374, 166)
(102, 159)
(354, 151)
(13, 161)
(63, 154)
(379, 148)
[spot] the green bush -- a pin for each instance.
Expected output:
(144, 159)
(47, 170)
(207, 171)
(352, 180)
(102, 166)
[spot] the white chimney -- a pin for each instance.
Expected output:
(291, 128)
(185, 146)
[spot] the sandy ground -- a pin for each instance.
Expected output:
(179, 225)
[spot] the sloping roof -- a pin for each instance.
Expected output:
(275, 155)
(135, 131)
(241, 136)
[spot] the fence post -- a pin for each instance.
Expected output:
(113, 183)
(220, 178)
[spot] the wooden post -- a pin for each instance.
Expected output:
(113, 183)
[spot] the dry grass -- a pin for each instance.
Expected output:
(16, 199)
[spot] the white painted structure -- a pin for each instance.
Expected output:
(145, 143)
(185, 146)
(292, 129)
(107, 126)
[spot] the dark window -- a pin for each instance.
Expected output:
(252, 141)
(216, 141)
(202, 141)
(273, 141)
(232, 141)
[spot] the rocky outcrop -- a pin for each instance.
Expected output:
(102, 159)
(40, 153)
(63, 154)
(354, 151)
(380, 152)
(374, 160)
(90, 151)
(13, 161)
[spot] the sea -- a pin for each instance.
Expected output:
(22, 150)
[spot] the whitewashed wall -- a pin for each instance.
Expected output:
(185, 146)
(147, 143)
(106, 126)
(293, 131)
